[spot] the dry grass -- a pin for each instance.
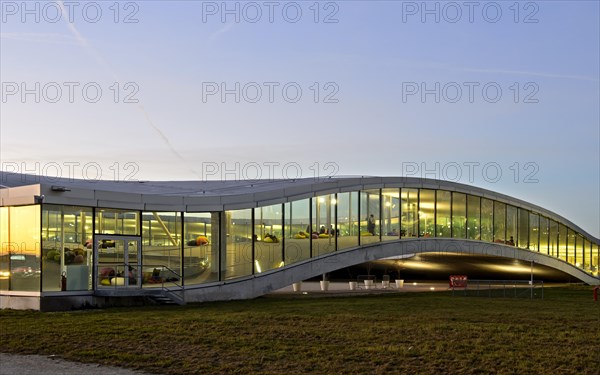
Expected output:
(428, 333)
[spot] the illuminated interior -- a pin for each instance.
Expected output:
(42, 244)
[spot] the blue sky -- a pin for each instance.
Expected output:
(544, 124)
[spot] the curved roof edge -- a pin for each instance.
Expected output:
(212, 195)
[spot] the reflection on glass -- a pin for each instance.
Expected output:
(534, 231)
(511, 225)
(459, 215)
(201, 247)
(410, 216)
(236, 258)
(426, 213)
(562, 242)
(113, 221)
(67, 248)
(323, 221)
(487, 220)
(544, 232)
(347, 204)
(4, 250)
(297, 231)
(499, 222)
(579, 250)
(473, 217)
(268, 230)
(571, 246)
(390, 207)
(523, 229)
(553, 239)
(595, 259)
(161, 236)
(369, 210)
(21, 248)
(443, 218)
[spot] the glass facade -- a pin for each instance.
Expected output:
(20, 248)
(523, 229)
(459, 215)
(487, 220)
(499, 222)
(544, 233)
(409, 212)
(268, 236)
(297, 231)
(390, 205)
(443, 214)
(237, 255)
(370, 211)
(43, 245)
(201, 247)
(323, 220)
(511, 225)
(473, 217)
(67, 248)
(426, 213)
(161, 243)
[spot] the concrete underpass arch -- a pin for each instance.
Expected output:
(260, 284)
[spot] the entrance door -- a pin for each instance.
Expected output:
(118, 262)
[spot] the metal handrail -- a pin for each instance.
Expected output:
(165, 289)
(504, 285)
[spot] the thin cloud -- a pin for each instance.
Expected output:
(40, 38)
(535, 74)
(212, 37)
(96, 55)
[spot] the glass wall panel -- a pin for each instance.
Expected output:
(426, 213)
(459, 215)
(562, 242)
(499, 222)
(21, 244)
(443, 216)
(473, 217)
(201, 247)
(523, 229)
(297, 231)
(553, 238)
(587, 257)
(534, 231)
(544, 233)
(579, 250)
(323, 222)
(347, 223)
(4, 250)
(67, 247)
(410, 214)
(370, 212)
(511, 225)
(391, 214)
(595, 259)
(268, 229)
(237, 255)
(161, 243)
(487, 220)
(112, 221)
(570, 246)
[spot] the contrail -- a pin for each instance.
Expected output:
(94, 53)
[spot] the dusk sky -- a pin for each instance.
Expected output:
(501, 95)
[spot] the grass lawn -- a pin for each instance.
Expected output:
(426, 333)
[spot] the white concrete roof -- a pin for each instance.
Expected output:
(211, 195)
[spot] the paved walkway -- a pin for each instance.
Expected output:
(344, 287)
(12, 364)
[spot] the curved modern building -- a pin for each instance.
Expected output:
(69, 243)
